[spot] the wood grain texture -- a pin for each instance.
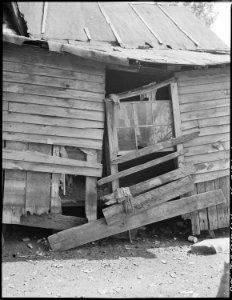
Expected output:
(212, 211)
(210, 175)
(204, 105)
(201, 123)
(97, 230)
(204, 96)
(38, 188)
(208, 157)
(192, 74)
(55, 183)
(207, 149)
(203, 212)
(207, 113)
(218, 129)
(224, 85)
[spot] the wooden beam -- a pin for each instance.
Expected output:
(149, 199)
(149, 184)
(141, 167)
(97, 230)
(44, 17)
(55, 198)
(155, 148)
(91, 189)
(52, 221)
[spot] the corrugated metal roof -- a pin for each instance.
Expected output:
(133, 25)
(124, 57)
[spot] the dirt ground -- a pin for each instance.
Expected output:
(157, 264)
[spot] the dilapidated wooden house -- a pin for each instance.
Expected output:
(115, 115)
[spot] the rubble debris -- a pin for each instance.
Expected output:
(211, 246)
(192, 239)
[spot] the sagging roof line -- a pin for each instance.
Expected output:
(142, 19)
(86, 30)
(118, 38)
(44, 17)
(171, 18)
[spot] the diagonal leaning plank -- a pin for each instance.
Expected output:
(156, 196)
(99, 229)
(141, 167)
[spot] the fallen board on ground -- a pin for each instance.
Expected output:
(99, 229)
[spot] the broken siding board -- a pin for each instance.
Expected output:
(211, 175)
(212, 166)
(56, 111)
(155, 148)
(210, 130)
(53, 72)
(54, 221)
(199, 88)
(140, 167)
(53, 140)
(207, 113)
(51, 120)
(53, 101)
(14, 190)
(207, 149)
(99, 229)
(201, 123)
(212, 211)
(55, 183)
(38, 187)
(207, 157)
(204, 105)
(154, 182)
(149, 199)
(209, 139)
(85, 133)
(67, 84)
(203, 212)
(204, 96)
(91, 190)
(22, 88)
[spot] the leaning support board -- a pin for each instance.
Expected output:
(149, 199)
(97, 230)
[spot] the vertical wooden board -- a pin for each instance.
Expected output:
(177, 119)
(38, 188)
(224, 185)
(55, 198)
(194, 216)
(14, 189)
(212, 211)
(203, 212)
(91, 190)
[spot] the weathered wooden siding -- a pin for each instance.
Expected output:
(204, 98)
(49, 100)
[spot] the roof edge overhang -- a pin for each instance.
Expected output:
(127, 57)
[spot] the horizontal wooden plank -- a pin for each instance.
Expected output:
(51, 120)
(42, 80)
(52, 221)
(56, 111)
(212, 166)
(203, 80)
(34, 156)
(155, 148)
(206, 113)
(204, 88)
(43, 57)
(51, 91)
(224, 120)
(210, 130)
(52, 140)
(208, 139)
(208, 157)
(149, 199)
(208, 148)
(50, 168)
(149, 184)
(204, 96)
(53, 72)
(190, 74)
(5, 105)
(53, 101)
(210, 175)
(204, 105)
(99, 229)
(141, 167)
(85, 133)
